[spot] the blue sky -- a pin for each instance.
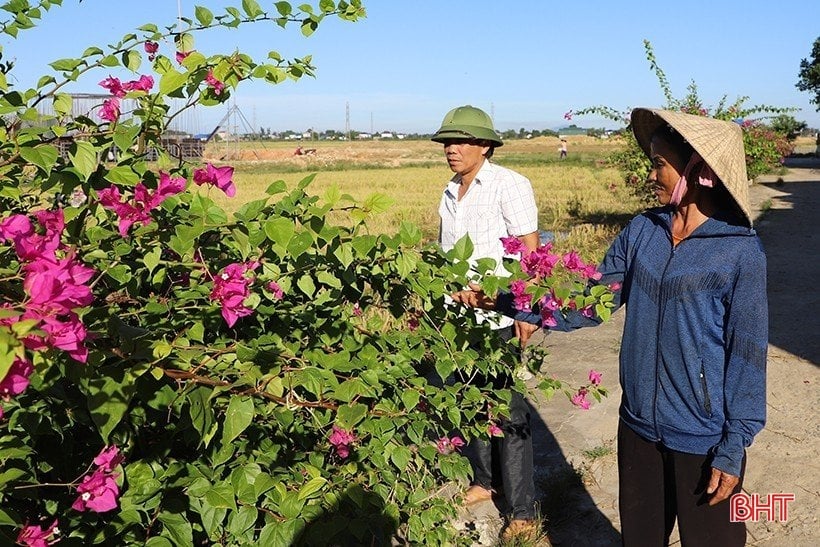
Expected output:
(526, 62)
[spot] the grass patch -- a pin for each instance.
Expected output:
(599, 451)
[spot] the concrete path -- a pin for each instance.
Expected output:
(576, 472)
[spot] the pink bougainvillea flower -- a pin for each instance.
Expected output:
(231, 288)
(494, 431)
(547, 318)
(580, 399)
(30, 241)
(35, 536)
(572, 261)
(68, 334)
(449, 445)
(151, 49)
(276, 290)
(614, 286)
(58, 284)
(550, 302)
(540, 262)
(145, 83)
(595, 377)
(128, 213)
(181, 55)
(168, 186)
(109, 458)
(16, 380)
(114, 86)
(110, 110)
(221, 177)
(513, 245)
(98, 492)
(588, 311)
(341, 439)
(568, 115)
(216, 85)
(521, 299)
(357, 310)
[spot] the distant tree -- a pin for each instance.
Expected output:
(787, 125)
(810, 74)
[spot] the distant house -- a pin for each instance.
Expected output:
(364, 136)
(386, 135)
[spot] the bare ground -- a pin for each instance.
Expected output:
(576, 472)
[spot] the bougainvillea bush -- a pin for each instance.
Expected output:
(765, 147)
(171, 374)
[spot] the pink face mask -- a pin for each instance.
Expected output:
(698, 168)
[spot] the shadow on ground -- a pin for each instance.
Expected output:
(792, 245)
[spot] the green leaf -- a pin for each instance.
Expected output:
(43, 156)
(300, 243)
(252, 8)
(284, 8)
(65, 65)
(306, 285)
(401, 457)
(350, 415)
(171, 81)
(62, 104)
(311, 487)
(108, 400)
(463, 249)
(132, 60)
(221, 497)
(280, 230)
(122, 174)
(177, 528)
(237, 418)
(203, 15)
(84, 159)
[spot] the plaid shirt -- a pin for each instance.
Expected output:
(498, 203)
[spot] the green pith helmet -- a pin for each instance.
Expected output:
(467, 122)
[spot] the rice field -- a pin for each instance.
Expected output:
(580, 199)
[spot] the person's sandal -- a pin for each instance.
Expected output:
(521, 529)
(477, 494)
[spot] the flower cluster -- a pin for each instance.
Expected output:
(231, 288)
(341, 440)
(54, 284)
(221, 177)
(448, 445)
(144, 201)
(540, 264)
(214, 84)
(110, 111)
(98, 491)
(580, 397)
(33, 535)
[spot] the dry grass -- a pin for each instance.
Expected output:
(579, 198)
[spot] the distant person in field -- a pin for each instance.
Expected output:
(692, 275)
(562, 150)
(488, 202)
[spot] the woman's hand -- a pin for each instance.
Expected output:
(721, 485)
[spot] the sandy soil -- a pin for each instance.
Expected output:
(576, 473)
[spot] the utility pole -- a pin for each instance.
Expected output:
(371, 123)
(347, 120)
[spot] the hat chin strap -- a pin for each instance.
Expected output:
(706, 177)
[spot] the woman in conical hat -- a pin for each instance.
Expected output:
(693, 355)
(692, 276)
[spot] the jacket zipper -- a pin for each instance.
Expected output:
(658, 339)
(707, 402)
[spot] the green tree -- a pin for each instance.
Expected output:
(787, 125)
(810, 74)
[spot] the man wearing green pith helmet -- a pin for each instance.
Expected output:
(488, 202)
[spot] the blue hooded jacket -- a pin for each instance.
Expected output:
(693, 353)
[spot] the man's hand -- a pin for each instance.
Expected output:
(523, 331)
(474, 297)
(721, 485)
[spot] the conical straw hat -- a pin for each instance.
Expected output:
(718, 142)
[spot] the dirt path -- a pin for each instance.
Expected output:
(576, 473)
